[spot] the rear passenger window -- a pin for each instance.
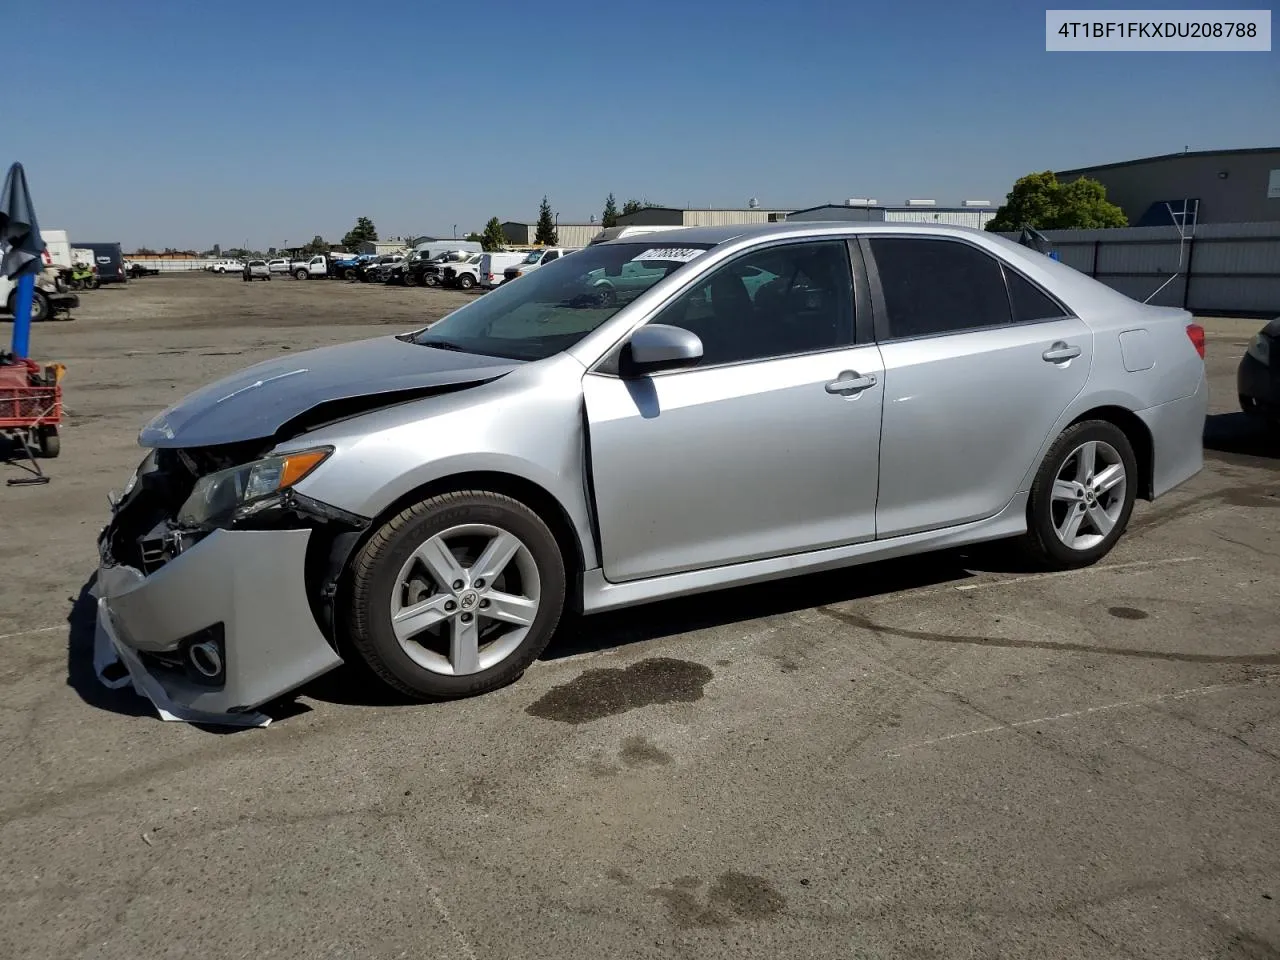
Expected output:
(1028, 302)
(938, 286)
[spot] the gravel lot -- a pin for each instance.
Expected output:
(941, 757)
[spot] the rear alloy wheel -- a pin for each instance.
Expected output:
(40, 308)
(457, 595)
(410, 279)
(1083, 496)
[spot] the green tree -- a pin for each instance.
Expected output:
(474, 237)
(610, 216)
(363, 232)
(317, 245)
(1038, 200)
(546, 231)
(634, 206)
(493, 238)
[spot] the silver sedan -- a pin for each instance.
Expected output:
(649, 417)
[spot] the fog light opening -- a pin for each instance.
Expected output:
(206, 659)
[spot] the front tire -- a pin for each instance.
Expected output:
(1082, 496)
(299, 274)
(466, 281)
(456, 595)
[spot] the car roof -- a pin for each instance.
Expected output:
(1065, 282)
(797, 228)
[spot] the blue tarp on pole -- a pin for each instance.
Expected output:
(23, 249)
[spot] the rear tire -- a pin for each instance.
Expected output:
(461, 650)
(410, 280)
(1082, 497)
(40, 309)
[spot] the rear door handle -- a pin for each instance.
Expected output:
(1061, 351)
(850, 382)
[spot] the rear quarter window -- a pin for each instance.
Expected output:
(935, 286)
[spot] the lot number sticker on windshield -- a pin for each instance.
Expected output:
(670, 254)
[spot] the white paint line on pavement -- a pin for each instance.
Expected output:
(464, 945)
(1076, 714)
(1134, 565)
(26, 633)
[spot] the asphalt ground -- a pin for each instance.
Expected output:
(946, 756)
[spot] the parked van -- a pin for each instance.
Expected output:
(536, 258)
(57, 249)
(494, 265)
(109, 259)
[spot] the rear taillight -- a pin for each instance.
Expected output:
(492, 277)
(1196, 333)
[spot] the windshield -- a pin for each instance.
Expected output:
(551, 309)
(533, 257)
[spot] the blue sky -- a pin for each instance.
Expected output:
(175, 123)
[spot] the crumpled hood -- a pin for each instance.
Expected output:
(258, 400)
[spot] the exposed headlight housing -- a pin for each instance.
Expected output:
(242, 491)
(1260, 349)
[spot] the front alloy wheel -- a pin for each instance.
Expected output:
(465, 599)
(456, 595)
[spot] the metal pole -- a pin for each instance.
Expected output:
(22, 314)
(1186, 283)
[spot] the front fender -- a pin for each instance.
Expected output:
(527, 425)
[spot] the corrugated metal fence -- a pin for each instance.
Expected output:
(1221, 268)
(172, 264)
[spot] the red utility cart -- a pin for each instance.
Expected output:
(31, 404)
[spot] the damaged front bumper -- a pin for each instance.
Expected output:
(221, 629)
(222, 623)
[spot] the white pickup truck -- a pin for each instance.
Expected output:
(317, 266)
(535, 259)
(50, 295)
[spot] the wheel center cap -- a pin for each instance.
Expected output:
(468, 599)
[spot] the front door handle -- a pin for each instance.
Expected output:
(1061, 351)
(850, 382)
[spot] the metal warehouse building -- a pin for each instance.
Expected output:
(1211, 186)
(689, 217)
(567, 234)
(971, 213)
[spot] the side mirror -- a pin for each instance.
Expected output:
(658, 346)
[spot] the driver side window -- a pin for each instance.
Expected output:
(787, 299)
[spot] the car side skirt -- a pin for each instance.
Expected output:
(598, 594)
